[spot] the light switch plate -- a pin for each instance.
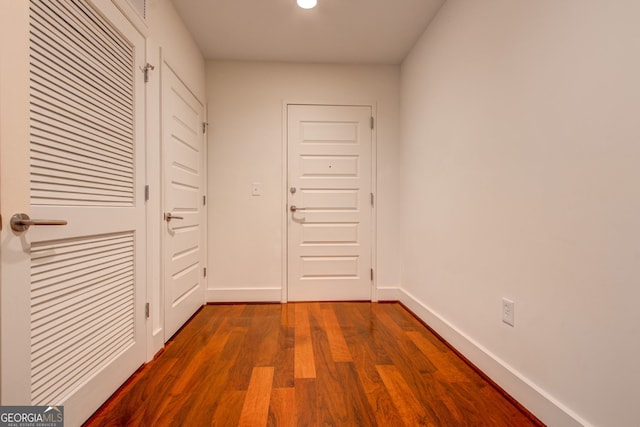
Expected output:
(508, 312)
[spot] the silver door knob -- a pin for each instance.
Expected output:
(168, 217)
(21, 222)
(294, 208)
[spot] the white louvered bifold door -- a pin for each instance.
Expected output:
(87, 152)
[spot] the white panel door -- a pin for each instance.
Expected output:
(84, 315)
(329, 216)
(183, 163)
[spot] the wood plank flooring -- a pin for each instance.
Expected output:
(307, 364)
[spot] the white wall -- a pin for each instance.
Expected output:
(246, 145)
(520, 178)
(178, 46)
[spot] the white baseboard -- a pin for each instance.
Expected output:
(275, 294)
(537, 401)
(244, 295)
(388, 294)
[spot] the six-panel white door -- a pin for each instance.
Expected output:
(329, 202)
(183, 164)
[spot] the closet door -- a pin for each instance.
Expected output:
(84, 325)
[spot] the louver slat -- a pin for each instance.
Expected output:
(59, 72)
(76, 145)
(99, 55)
(63, 120)
(46, 44)
(81, 309)
(81, 108)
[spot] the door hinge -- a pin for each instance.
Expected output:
(204, 200)
(145, 71)
(372, 122)
(146, 193)
(372, 274)
(372, 198)
(146, 310)
(205, 125)
(204, 272)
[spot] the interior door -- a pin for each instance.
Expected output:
(329, 216)
(79, 333)
(184, 237)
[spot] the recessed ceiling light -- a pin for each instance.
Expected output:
(307, 4)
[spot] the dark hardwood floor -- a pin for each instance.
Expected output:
(307, 364)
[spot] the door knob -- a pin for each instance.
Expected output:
(294, 208)
(21, 222)
(168, 217)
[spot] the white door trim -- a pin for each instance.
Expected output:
(285, 180)
(155, 322)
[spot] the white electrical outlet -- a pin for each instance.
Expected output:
(508, 312)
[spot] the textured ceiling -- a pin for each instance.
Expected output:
(336, 31)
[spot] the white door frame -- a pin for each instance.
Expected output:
(155, 321)
(285, 189)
